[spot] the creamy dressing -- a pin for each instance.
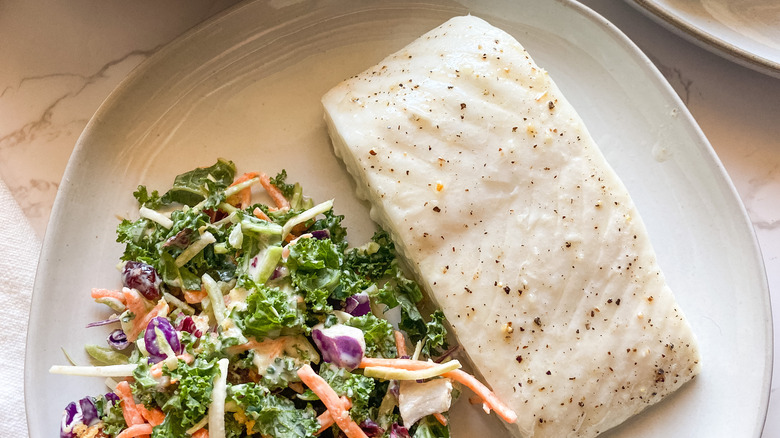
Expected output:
(296, 347)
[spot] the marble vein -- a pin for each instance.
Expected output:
(27, 131)
(682, 86)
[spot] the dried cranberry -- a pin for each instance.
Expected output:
(398, 431)
(143, 278)
(371, 429)
(188, 325)
(215, 215)
(181, 240)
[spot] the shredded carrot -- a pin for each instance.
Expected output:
(490, 399)
(326, 420)
(156, 370)
(194, 296)
(201, 433)
(141, 321)
(440, 418)
(129, 408)
(332, 402)
(107, 293)
(154, 416)
(405, 364)
(135, 302)
(260, 214)
(275, 193)
(400, 343)
(136, 430)
(243, 198)
(268, 347)
(296, 233)
(245, 177)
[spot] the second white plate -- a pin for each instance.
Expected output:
(744, 31)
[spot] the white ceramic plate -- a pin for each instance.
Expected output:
(247, 85)
(744, 31)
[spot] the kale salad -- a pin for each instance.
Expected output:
(236, 318)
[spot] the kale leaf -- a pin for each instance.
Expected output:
(280, 182)
(170, 428)
(332, 223)
(192, 395)
(146, 388)
(374, 260)
(436, 334)
(273, 415)
(194, 186)
(110, 413)
(357, 387)
(148, 200)
(140, 239)
(350, 283)
(315, 268)
(268, 310)
(378, 334)
(428, 427)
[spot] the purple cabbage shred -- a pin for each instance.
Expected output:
(83, 412)
(103, 322)
(320, 234)
(118, 340)
(341, 350)
(358, 304)
(152, 341)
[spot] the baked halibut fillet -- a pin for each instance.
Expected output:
(517, 228)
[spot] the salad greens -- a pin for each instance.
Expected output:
(211, 278)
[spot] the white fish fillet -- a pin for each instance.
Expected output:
(516, 226)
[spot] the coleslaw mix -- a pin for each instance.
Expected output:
(238, 318)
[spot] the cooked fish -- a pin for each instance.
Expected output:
(517, 228)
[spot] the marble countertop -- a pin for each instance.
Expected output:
(61, 59)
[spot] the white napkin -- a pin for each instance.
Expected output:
(19, 250)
